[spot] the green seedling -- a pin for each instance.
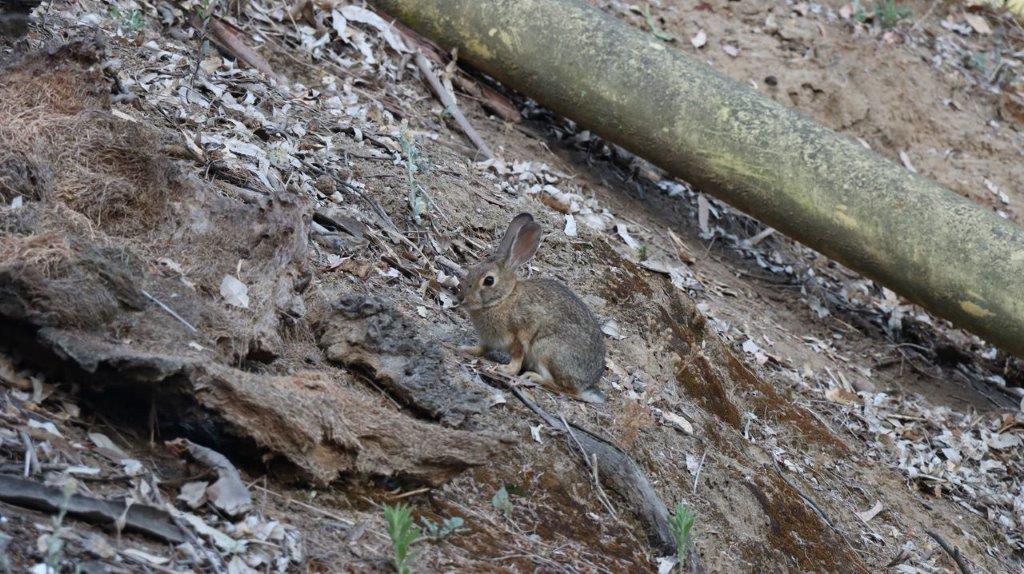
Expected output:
(888, 13)
(418, 201)
(681, 523)
(439, 532)
(403, 533)
(54, 543)
(502, 502)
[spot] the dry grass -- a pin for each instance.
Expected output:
(46, 253)
(61, 145)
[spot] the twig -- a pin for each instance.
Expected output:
(487, 96)
(919, 21)
(810, 502)
(169, 310)
(316, 510)
(622, 474)
(448, 101)
(202, 41)
(230, 41)
(953, 551)
(31, 462)
(592, 466)
(699, 468)
(149, 565)
(411, 493)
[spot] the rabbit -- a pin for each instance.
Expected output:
(550, 334)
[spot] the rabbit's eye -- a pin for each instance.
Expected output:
(488, 281)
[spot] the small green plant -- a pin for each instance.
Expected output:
(128, 22)
(54, 543)
(976, 61)
(502, 502)
(403, 532)
(439, 532)
(418, 200)
(888, 13)
(859, 13)
(681, 522)
(204, 9)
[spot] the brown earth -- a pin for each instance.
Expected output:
(780, 476)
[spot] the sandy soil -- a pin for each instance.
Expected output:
(777, 454)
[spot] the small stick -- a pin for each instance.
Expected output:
(169, 310)
(30, 455)
(699, 468)
(230, 40)
(448, 101)
(592, 466)
(411, 493)
(304, 506)
(810, 502)
(953, 551)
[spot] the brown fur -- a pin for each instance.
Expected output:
(549, 333)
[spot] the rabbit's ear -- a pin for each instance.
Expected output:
(524, 246)
(502, 252)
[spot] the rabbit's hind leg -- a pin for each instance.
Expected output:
(542, 376)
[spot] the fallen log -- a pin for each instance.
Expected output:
(917, 238)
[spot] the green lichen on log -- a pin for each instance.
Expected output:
(917, 238)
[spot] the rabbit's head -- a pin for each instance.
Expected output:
(492, 280)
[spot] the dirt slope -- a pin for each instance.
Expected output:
(812, 420)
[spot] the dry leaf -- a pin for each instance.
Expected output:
(842, 396)
(10, 376)
(535, 433)
(47, 427)
(235, 292)
(620, 228)
(699, 39)
(979, 23)
(906, 161)
(611, 328)
(703, 214)
(678, 422)
(570, 226)
(104, 443)
(193, 494)
(867, 515)
(360, 14)
(146, 557)
(98, 545)
(681, 251)
(229, 493)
